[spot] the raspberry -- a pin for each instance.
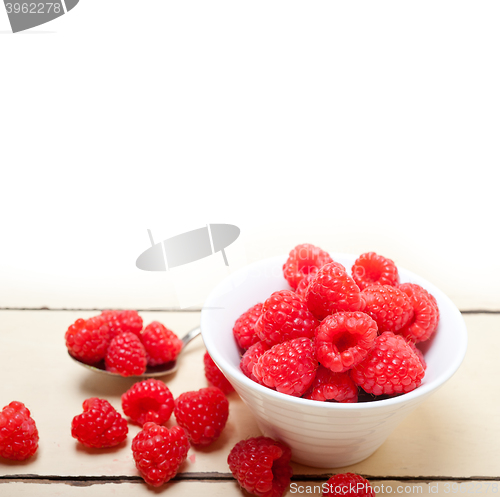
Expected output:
(332, 290)
(203, 414)
(344, 339)
(162, 345)
(214, 375)
(244, 327)
(304, 284)
(373, 269)
(426, 313)
(328, 385)
(100, 425)
(250, 358)
(285, 316)
(304, 259)
(391, 367)
(388, 306)
(159, 452)
(18, 433)
(88, 340)
(289, 367)
(148, 400)
(126, 355)
(122, 322)
(262, 466)
(347, 484)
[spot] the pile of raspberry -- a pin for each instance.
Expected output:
(338, 335)
(117, 341)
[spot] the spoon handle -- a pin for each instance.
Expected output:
(189, 336)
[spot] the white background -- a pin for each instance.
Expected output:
(356, 126)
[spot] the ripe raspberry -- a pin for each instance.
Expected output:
(126, 355)
(332, 290)
(347, 484)
(214, 375)
(304, 284)
(328, 385)
(159, 452)
(250, 358)
(100, 425)
(122, 322)
(203, 414)
(18, 433)
(244, 327)
(285, 316)
(88, 340)
(373, 269)
(344, 339)
(426, 313)
(391, 367)
(262, 466)
(162, 345)
(148, 400)
(289, 367)
(388, 306)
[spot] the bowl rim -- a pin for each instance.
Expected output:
(420, 392)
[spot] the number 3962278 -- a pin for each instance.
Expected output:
(33, 8)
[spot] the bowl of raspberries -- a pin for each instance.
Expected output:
(331, 351)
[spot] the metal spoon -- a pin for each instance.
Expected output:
(151, 371)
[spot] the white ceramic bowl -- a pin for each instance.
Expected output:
(322, 434)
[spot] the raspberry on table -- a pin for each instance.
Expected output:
(203, 414)
(304, 259)
(391, 367)
(100, 425)
(373, 269)
(148, 401)
(261, 466)
(122, 322)
(347, 484)
(285, 316)
(159, 452)
(328, 385)
(288, 367)
(162, 345)
(126, 355)
(244, 327)
(332, 290)
(88, 340)
(214, 375)
(250, 358)
(388, 306)
(425, 316)
(344, 339)
(18, 432)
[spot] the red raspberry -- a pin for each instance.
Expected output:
(328, 385)
(304, 259)
(88, 340)
(122, 322)
(214, 375)
(304, 284)
(391, 367)
(162, 345)
(148, 400)
(347, 484)
(289, 367)
(372, 269)
(250, 358)
(344, 339)
(100, 425)
(203, 414)
(388, 306)
(18, 433)
(159, 452)
(262, 466)
(285, 316)
(126, 355)
(332, 290)
(426, 313)
(244, 328)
